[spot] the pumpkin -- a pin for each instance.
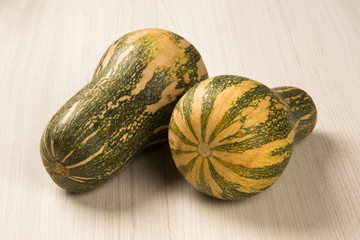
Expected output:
(124, 108)
(231, 137)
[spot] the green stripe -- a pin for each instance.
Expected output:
(238, 134)
(247, 99)
(282, 150)
(179, 151)
(213, 89)
(202, 184)
(229, 188)
(238, 147)
(190, 66)
(276, 127)
(256, 173)
(175, 129)
(185, 169)
(187, 110)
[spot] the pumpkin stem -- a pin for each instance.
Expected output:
(302, 108)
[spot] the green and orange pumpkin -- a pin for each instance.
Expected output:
(124, 108)
(231, 137)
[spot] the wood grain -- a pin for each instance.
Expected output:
(49, 50)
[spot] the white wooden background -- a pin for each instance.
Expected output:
(49, 50)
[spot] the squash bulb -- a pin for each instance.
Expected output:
(231, 137)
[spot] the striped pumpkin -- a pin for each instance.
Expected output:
(232, 137)
(124, 108)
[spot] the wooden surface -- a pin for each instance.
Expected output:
(49, 50)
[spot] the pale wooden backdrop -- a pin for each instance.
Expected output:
(49, 50)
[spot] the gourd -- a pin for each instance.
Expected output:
(231, 137)
(124, 108)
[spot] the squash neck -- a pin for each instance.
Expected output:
(302, 109)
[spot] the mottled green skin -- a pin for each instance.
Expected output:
(300, 103)
(124, 129)
(283, 116)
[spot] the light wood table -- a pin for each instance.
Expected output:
(49, 50)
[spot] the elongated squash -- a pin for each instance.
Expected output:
(232, 137)
(124, 108)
